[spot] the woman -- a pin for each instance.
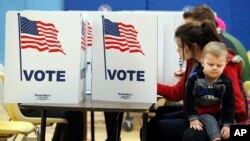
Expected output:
(191, 38)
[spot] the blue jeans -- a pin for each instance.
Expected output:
(211, 125)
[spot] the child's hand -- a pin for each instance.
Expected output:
(196, 124)
(225, 132)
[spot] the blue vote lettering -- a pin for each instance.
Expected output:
(40, 75)
(131, 75)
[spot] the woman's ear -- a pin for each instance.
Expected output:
(195, 46)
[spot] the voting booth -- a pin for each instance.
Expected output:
(45, 57)
(127, 53)
(124, 57)
(168, 60)
(167, 57)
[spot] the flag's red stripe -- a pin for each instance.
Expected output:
(116, 39)
(49, 30)
(47, 33)
(125, 25)
(131, 44)
(41, 45)
(46, 25)
(123, 45)
(129, 31)
(40, 42)
(57, 50)
(127, 28)
(35, 47)
(51, 37)
(27, 36)
(115, 42)
(27, 40)
(108, 37)
(136, 51)
(128, 36)
(115, 47)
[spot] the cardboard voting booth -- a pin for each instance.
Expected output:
(124, 57)
(45, 57)
(167, 57)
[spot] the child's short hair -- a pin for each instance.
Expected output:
(215, 48)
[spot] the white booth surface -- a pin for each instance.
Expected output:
(167, 56)
(44, 58)
(124, 57)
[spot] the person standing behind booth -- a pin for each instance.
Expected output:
(209, 98)
(113, 121)
(220, 24)
(204, 12)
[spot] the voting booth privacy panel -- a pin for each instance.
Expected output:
(167, 56)
(124, 57)
(44, 57)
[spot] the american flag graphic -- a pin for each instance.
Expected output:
(121, 36)
(86, 33)
(39, 36)
(89, 35)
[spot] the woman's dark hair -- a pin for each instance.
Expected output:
(200, 34)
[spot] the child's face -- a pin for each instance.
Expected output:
(213, 65)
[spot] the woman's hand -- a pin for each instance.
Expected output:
(179, 72)
(196, 124)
